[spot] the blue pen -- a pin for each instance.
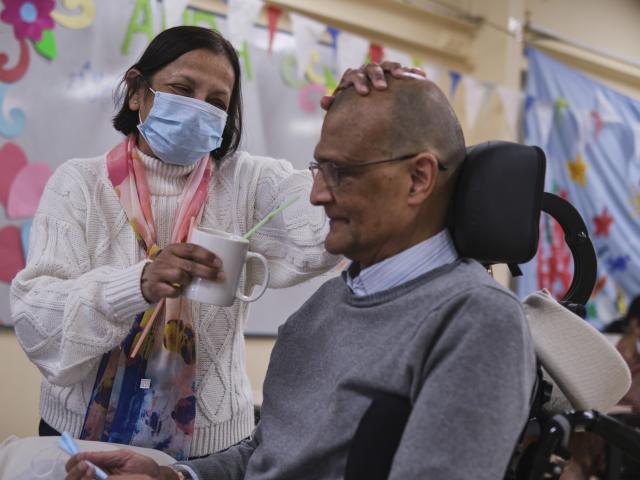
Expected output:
(67, 444)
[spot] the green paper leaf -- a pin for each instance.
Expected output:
(47, 45)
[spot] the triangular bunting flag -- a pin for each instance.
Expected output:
(543, 112)
(528, 101)
(584, 120)
(334, 33)
(474, 92)
(352, 51)
(376, 53)
(433, 72)
(606, 110)
(393, 55)
(241, 15)
(455, 79)
(510, 104)
(307, 34)
(273, 14)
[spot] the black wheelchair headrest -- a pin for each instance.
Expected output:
(496, 209)
(497, 203)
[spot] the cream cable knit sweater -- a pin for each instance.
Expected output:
(77, 296)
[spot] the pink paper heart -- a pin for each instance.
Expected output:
(12, 160)
(26, 190)
(11, 258)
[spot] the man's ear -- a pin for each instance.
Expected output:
(424, 168)
(134, 93)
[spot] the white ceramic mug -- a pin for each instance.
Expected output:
(233, 251)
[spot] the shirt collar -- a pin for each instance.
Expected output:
(402, 267)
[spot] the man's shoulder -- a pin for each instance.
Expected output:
(467, 287)
(467, 277)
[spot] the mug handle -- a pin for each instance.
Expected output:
(261, 288)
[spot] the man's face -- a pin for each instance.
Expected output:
(367, 210)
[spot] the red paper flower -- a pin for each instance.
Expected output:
(28, 17)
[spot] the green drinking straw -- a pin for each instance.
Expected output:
(269, 216)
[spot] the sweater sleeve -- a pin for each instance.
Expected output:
(230, 464)
(67, 313)
(474, 397)
(293, 241)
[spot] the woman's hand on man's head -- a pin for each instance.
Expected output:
(370, 74)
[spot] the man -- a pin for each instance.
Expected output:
(409, 318)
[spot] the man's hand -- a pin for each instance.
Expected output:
(122, 464)
(174, 268)
(373, 74)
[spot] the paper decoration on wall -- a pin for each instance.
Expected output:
(433, 72)
(309, 97)
(352, 51)
(273, 14)
(15, 73)
(544, 116)
(578, 170)
(28, 17)
(474, 94)
(618, 263)
(10, 128)
(25, 230)
(288, 68)
(83, 19)
(455, 79)
(140, 22)
(394, 55)
(47, 46)
(605, 108)
(173, 10)
(597, 123)
(510, 104)
(334, 33)
(12, 160)
(241, 15)
(602, 223)
(307, 33)
(26, 190)
(376, 53)
(11, 257)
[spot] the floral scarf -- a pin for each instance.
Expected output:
(150, 400)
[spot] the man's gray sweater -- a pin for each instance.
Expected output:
(452, 341)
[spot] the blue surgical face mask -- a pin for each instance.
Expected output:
(181, 130)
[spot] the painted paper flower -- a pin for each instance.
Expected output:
(28, 17)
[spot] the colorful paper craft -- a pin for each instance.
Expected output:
(15, 73)
(26, 190)
(11, 258)
(47, 46)
(12, 160)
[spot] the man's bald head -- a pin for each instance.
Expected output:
(413, 114)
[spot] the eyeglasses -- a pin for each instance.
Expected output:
(332, 172)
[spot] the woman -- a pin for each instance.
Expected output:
(107, 245)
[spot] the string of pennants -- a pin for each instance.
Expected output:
(350, 49)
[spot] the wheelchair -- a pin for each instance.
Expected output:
(495, 219)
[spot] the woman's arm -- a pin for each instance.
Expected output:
(67, 313)
(293, 241)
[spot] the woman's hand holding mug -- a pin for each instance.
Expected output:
(174, 269)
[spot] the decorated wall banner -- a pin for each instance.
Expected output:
(590, 134)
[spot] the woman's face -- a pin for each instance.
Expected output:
(199, 74)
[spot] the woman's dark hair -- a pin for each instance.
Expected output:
(164, 49)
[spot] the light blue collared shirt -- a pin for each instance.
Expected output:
(428, 255)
